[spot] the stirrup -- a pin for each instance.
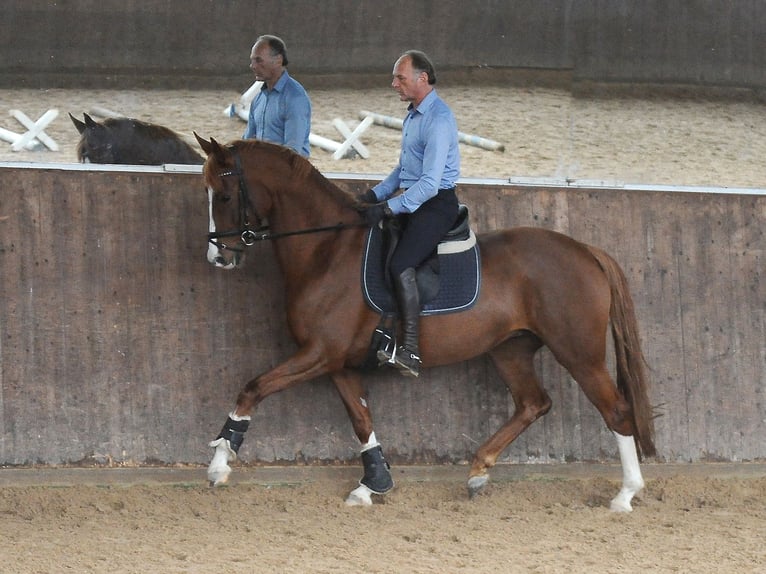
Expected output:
(407, 361)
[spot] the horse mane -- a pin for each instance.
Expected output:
(152, 130)
(300, 167)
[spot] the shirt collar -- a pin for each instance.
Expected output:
(279, 86)
(425, 105)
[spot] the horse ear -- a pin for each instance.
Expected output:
(89, 121)
(203, 143)
(212, 147)
(77, 123)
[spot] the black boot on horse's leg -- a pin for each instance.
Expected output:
(377, 473)
(407, 357)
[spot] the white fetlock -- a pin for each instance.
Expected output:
(360, 496)
(632, 480)
(621, 502)
(219, 470)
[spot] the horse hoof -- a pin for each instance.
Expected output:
(218, 476)
(360, 496)
(620, 504)
(476, 484)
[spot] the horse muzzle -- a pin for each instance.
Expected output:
(220, 256)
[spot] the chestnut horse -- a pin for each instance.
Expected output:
(538, 288)
(130, 141)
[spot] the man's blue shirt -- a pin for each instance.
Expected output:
(281, 115)
(430, 156)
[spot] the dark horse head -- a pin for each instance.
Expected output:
(129, 141)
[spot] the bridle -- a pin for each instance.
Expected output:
(249, 235)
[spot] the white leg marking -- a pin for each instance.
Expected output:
(360, 496)
(372, 442)
(219, 470)
(632, 481)
(212, 250)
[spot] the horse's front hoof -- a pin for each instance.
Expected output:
(219, 470)
(360, 496)
(476, 484)
(621, 502)
(218, 476)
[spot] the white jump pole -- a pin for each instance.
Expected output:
(324, 143)
(37, 128)
(13, 137)
(251, 92)
(41, 136)
(104, 113)
(243, 107)
(396, 123)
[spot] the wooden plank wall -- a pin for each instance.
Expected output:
(119, 342)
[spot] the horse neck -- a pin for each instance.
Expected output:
(303, 208)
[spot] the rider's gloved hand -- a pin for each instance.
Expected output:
(374, 213)
(367, 197)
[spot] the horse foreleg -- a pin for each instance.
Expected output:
(632, 481)
(307, 364)
(226, 447)
(377, 474)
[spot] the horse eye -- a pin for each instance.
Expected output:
(224, 198)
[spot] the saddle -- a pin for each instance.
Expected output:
(448, 281)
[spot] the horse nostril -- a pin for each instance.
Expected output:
(220, 261)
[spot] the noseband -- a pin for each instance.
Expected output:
(261, 231)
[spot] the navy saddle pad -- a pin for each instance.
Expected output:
(459, 276)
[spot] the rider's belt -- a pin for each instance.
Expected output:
(453, 188)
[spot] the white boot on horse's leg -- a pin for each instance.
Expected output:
(219, 470)
(632, 481)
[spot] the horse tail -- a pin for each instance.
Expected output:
(631, 365)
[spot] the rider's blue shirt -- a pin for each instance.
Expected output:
(281, 115)
(430, 156)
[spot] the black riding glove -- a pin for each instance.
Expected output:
(374, 213)
(367, 197)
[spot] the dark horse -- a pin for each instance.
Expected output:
(129, 141)
(538, 288)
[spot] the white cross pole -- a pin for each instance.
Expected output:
(36, 130)
(352, 139)
(347, 134)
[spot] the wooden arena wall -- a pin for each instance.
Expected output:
(205, 44)
(119, 343)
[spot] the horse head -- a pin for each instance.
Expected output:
(96, 144)
(233, 220)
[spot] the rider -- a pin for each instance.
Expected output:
(429, 165)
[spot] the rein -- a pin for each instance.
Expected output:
(261, 232)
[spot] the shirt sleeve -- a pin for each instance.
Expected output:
(439, 130)
(389, 185)
(297, 122)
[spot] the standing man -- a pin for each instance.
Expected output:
(429, 165)
(281, 112)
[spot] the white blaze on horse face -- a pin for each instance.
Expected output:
(212, 251)
(214, 254)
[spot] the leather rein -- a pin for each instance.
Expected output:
(261, 231)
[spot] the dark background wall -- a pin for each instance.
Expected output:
(206, 43)
(120, 342)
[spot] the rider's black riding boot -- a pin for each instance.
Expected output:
(407, 356)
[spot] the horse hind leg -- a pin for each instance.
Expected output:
(514, 361)
(617, 414)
